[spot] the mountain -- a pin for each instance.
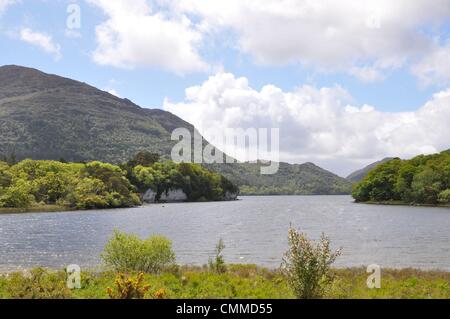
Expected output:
(44, 116)
(359, 175)
(291, 179)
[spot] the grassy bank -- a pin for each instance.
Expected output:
(251, 282)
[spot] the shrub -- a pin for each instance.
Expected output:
(307, 266)
(126, 252)
(127, 288)
(444, 197)
(218, 264)
(40, 284)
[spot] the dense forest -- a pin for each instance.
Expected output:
(421, 180)
(102, 185)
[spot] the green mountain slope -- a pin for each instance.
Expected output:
(45, 116)
(297, 179)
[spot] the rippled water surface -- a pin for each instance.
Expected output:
(254, 230)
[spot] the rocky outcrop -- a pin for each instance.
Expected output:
(178, 195)
(229, 196)
(171, 196)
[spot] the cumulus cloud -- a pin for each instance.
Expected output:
(136, 36)
(364, 37)
(434, 68)
(42, 40)
(317, 124)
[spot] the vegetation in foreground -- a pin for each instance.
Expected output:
(138, 269)
(239, 281)
(56, 185)
(423, 180)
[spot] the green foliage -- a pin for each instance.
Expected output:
(218, 264)
(126, 253)
(196, 182)
(444, 197)
(252, 282)
(80, 186)
(39, 284)
(421, 180)
(304, 179)
(128, 288)
(307, 266)
(144, 158)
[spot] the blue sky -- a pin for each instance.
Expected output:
(150, 85)
(391, 57)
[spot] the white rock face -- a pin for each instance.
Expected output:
(149, 196)
(176, 195)
(231, 196)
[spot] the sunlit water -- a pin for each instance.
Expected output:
(254, 230)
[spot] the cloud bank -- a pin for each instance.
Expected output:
(317, 124)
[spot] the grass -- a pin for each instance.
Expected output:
(252, 282)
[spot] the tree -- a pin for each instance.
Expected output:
(144, 158)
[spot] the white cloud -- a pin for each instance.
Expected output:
(367, 74)
(113, 92)
(318, 125)
(5, 3)
(135, 36)
(41, 40)
(434, 68)
(327, 34)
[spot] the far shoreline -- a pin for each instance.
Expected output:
(400, 203)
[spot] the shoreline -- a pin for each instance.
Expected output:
(400, 203)
(63, 209)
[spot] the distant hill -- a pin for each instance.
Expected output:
(359, 175)
(44, 116)
(291, 179)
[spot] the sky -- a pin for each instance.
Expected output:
(346, 82)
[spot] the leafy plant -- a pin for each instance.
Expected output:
(307, 265)
(128, 288)
(39, 284)
(218, 264)
(126, 252)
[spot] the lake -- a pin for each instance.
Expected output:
(254, 230)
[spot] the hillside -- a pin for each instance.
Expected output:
(45, 116)
(297, 179)
(359, 175)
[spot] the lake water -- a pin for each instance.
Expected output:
(254, 230)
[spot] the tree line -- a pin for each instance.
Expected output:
(424, 179)
(96, 185)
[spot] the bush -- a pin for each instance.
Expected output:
(307, 266)
(218, 264)
(40, 284)
(127, 288)
(444, 197)
(126, 252)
